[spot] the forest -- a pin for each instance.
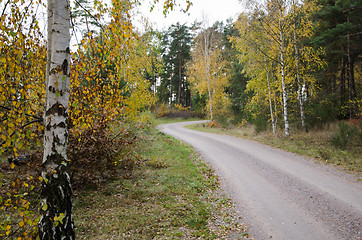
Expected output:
(78, 112)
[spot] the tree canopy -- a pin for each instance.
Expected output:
(281, 65)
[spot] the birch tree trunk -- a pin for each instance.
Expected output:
(270, 99)
(285, 93)
(207, 69)
(171, 95)
(301, 87)
(56, 220)
(275, 99)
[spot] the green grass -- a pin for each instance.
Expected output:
(317, 143)
(171, 195)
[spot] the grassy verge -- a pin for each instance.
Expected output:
(171, 195)
(316, 144)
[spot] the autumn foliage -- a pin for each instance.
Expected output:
(108, 92)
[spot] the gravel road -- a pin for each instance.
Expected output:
(280, 195)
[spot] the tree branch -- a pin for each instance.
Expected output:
(29, 115)
(89, 13)
(23, 126)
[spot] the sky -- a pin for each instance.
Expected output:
(212, 10)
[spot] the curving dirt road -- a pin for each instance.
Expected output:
(281, 195)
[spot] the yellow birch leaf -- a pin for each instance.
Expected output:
(21, 224)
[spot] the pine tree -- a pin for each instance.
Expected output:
(339, 33)
(176, 53)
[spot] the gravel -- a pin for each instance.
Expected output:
(280, 195)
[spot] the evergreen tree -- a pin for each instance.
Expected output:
(176, 53)
(237, 79)
(340, 35)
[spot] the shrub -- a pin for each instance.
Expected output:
(161, 110)
(19, 187)
(345, 135)
(212, 124)
(260, 124)
(101, 153)
(242, 123)
(179, 107)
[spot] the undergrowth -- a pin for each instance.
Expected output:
(99, 154)
(130, 182)
(171, 195)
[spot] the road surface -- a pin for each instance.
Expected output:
(280, 195)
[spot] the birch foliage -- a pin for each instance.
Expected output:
(207, 71)
(280, 66)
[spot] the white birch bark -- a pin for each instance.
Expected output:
(56, 189)
(270, 99)
(207, 37)
(301, 85)
(282, 66)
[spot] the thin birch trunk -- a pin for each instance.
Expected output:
(207, 71)
(301, 87)
(270, 100)
(285, 93)
(171, 89)
(56, 220)
(275, 99)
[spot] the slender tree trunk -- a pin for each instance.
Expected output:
(351, 83)
(334, 83)
(342, 82)
(270, 99)
(275, 109)
(351, 88)
(171, 88)
(285, 93)
(207, 72)
(154, 85)
(300, 85)
(56, 220)
(180, 76)
(275, 99)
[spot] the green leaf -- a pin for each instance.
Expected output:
(61, 217)
(45, 207)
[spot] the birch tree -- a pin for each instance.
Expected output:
(56, 220)
(207, 37)
(301, 83)
(281, 27)
(255, 52)
(269, 21)
(207, 70)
